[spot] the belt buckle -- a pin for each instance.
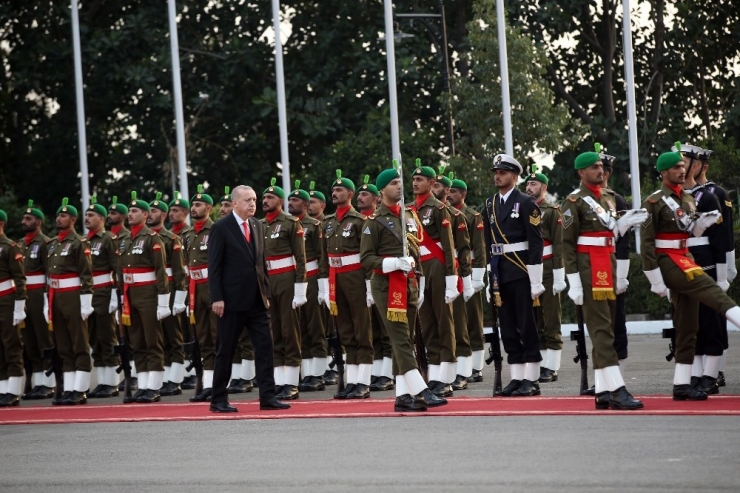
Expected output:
(682, 243)
(196, 274)
(128, 278)
(335, 262)
(610, 242)
(55, 284)
(497, 249)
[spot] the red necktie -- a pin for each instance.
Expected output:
(246, 231)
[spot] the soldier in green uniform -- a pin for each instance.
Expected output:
(590, 225)
(440, 288)
(36, 335)
(12, 313)
(395, 287)
(553, 277)
(101, 324)
(174, 356)
(70, 288)
(285, 255)
(226, 203)
(201, 315)
(146, 299)
(179, 211)
(341, 280)
(474, 306)
(463, 349)
(672, 219)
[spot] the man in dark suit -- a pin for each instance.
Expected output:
(235, 261)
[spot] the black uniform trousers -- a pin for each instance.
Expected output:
(712, 334)
(518, 328)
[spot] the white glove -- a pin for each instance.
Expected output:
(558, 284)
(47, 314)
(632, 217)
(86, 308)
(478, 278)
(324, 291)
(731, 267)
(657, 285)
(179, 304)
(468, 290)
(405, 264)
(721, 277)
(113, 304)
(705, 220)
(535, 280)
(299, 294)
(623, 268)
(576, 288)
(451, 289)
(421, 291)
(186, 270)
(19, 312)
(163, 306)
(368, 294)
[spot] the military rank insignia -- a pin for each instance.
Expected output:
(567, 218)
(535, 219)
(445, 223)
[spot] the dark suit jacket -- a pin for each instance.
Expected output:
(237, 272)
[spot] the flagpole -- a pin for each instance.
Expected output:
(392, 98)
(282, 113)
(177, 93)
(81, 133)
(503, 61)
(631, 113)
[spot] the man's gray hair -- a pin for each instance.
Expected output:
(237, 191)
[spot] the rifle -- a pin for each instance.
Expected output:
(421, 350)
(337, 360)
(121, 349)
(494, 350)
(579, 336)
(28, 369)
(670, 334)
(55, 368)
(193, 347)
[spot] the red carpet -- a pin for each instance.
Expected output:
(369, 408)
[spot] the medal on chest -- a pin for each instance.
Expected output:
(204, 243)
(276, 231)
(515, 212)
(410, 225)
(138, 248)
(347, 231)
(96, 248)
(65, 250)
(427, 217)
(35, 251)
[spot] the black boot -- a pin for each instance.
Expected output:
(589, 391)
(621, 399)
(134, 384)
(708, 385)
(9, 400)
(105, 391)
(686, 393)
(312, 384)
(602, 400)
(695, 381)
(444, 390)
(74, 398)
(41, 392)
(189, 383)
(721, 379)
(527, 389)
(149, 396)
(407, 403)
(547, 375)
(240, 386)
(361, 391)
(460, 383)
(203, 396)
(330, 377)
(170, 388)
(509, 389)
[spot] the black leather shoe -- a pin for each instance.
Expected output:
(509, 389)
(27, 395)
(708, 385)
(188, 383)
(203, 396)
(382, 383)
(433, 385)
(105, 391)
(273, 403)
(361, 391)
(445, 390)
(527, 389)
(621, 399)
(149, 396)
(477, 376)
(330, 377)
(137, 394)
(547, 375)
(239, 386)
(170, 388)
(686, 393)
(94, 392)
(406, 403)
(312, 384)
(9, 400)
(589, 391)
(41, 392)
(695, 381)
(74, 398)
(289, 393)
(430, 399)
(460, 383)
(64, 395)
(134, 384)
(347, 389)
(373, 379)
(222, 407)
(602, 400)
(721, 379)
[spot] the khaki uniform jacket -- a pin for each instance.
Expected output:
(437, 224)
(284, 236)
(71, 256)
(477, 237)
(174, 258)
(552, 231)
(104, 258)
(196, 246)
(35, 257)
(340, 237)
(145, 250)
(462, 240)
(11, 266)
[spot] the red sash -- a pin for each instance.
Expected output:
(333, 271)
(397, 294)
(434, 250)
(62, 290)
(126, 311)
(678, 255)
(602, 281)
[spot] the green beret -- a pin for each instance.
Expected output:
(668, 160)
(343, 182)
(158, 203)
(456, 183)
(587, 159)
(535, 176)
(420, 170)
(202, 197)
(369, 187)
(274, 190)
(226, 197)
(141, 204)
(179, 202)
(35, 212)
(300, 193)
(445, 180)
(115, 206)
(385, 177)
(95, 207)
(314, 193)
(3, 216)
(66, 208)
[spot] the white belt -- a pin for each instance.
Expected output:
(547, 250)
(424, 251)
(312, 265)
(36, 279)
(198, 274)
(344, 261)
(672, 244)
(169, 271)
(693, 241)
(501, 248)
(5, 285)
(280, 263)
(137, 278)
(72, 282)
(101, 279)
(595, 241)
(472, 255)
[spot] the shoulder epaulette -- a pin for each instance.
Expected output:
(372, 217)
(441, 206)
(573, 198)
(292, 218)
(555, 206)
(653, 198)
(153, 233)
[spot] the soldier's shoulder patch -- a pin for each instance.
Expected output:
(441, 206)
(445, 222)
(566, 219)
(299, 232)
(479, 225)
(19, 257)
(462, 226)
(655, 196)
(476, 213)
(556, 206)
(87, 252)
(176, 246)
(366, 231)
(156, 247)
(535, 219)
